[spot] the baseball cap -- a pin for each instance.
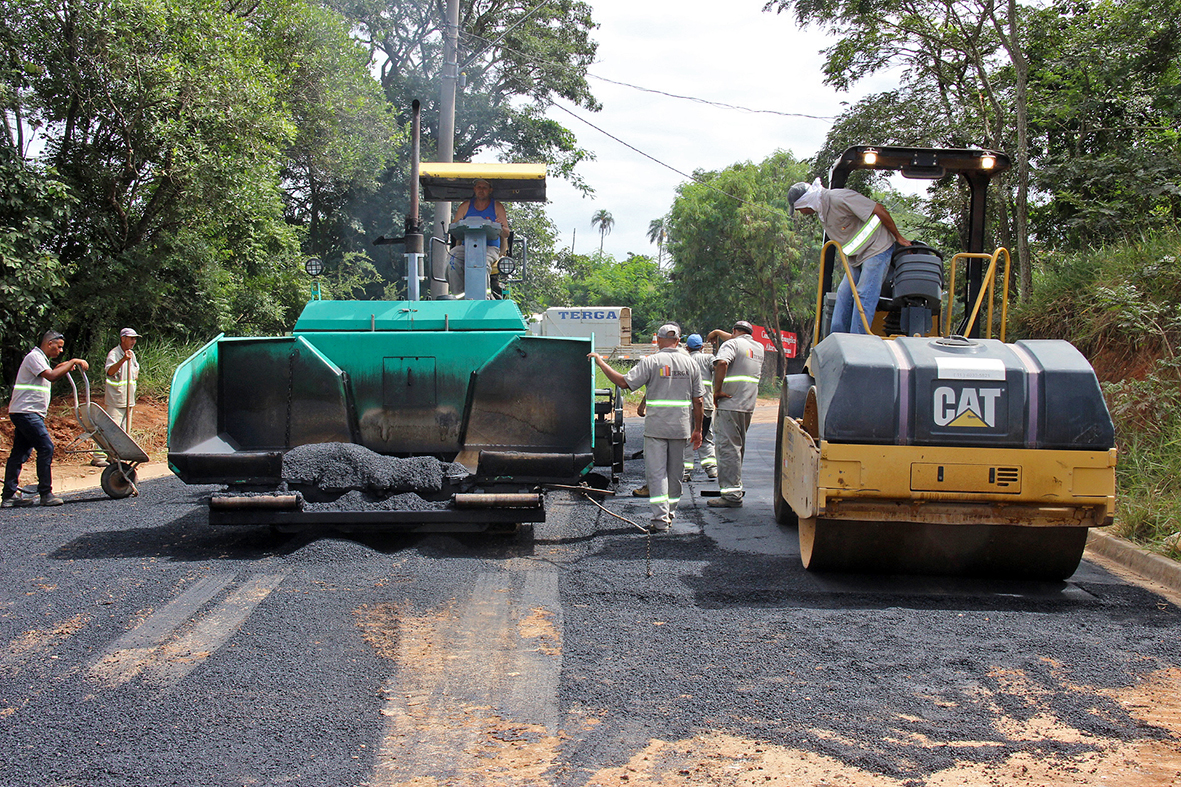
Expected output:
(694, 341)
(669, 331)
(794, 193)
(128, 332)
(743, 325)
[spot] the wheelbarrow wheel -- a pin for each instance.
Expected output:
(114, 483)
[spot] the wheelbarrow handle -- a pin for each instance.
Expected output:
(86, 384)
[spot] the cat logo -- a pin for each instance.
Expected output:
(969, 407)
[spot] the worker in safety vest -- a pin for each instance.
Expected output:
(866, 232)
(27, 409)
(737, 368)
(673, 390)
(122, 367)
(705, 361)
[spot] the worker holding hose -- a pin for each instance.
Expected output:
(673, 390)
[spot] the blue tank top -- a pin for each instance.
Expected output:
(487, 213)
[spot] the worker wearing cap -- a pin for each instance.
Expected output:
(27, 409)
(868, 236)
(705, 362)
(737, 368)
(481, 205)
(673, 389)
(121, 379)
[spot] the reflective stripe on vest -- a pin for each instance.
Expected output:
(118, 383)
(44, 387)
(739, 378)
(861, 238)
(667, 403)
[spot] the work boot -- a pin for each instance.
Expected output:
(641, 492)
(687, 476)
(711, 473)
(50, 499)
(16, 501)
(659, 526)
(721, 502)
(98, 461)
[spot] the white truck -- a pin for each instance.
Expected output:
(611, 327)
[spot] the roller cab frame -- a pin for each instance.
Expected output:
(931, 452)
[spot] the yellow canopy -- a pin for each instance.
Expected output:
(452, 182)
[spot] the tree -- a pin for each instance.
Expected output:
(517, 60)
(737, 254)
(174, 128)
(33, 204)
(542, 284)
(345, 139)
(603, 221)
(1106, 98)
(637, 282)
(968, 58)
(658, 234)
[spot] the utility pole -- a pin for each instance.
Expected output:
(446, 127)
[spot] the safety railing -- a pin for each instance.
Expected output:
(988, 290)
(820, 290)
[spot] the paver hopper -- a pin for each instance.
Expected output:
(459, 382)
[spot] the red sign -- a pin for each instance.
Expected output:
(789, 341)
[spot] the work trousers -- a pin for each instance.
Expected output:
(731, 426)
(662, 465)
(30, 434)
(868, 278)
(456, 278)
(706, 451)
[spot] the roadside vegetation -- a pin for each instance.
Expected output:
(1121, 306)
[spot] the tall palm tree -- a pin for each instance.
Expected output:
(658, 234)
(602, 221)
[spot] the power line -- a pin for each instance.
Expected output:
(706, 101)
(695, 99)
(650, 157)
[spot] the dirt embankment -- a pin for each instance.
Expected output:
(149, 428)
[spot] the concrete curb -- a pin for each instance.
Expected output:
(1151, 566)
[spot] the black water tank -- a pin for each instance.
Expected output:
(918, 275)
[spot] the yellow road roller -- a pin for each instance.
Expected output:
(928, 446)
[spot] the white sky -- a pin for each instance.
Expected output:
(731, 53)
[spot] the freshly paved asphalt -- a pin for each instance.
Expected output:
(140, 646)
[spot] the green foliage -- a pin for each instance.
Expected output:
(542, 285)
(737, 254)
(1122, 299)
(33, 203)
(517, 60)
(1106, 88)
(636, 282)
(1121, 305)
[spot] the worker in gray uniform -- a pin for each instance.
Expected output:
(737, 368)
(673, 391)
(705, 361)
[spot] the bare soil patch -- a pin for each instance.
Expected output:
(149, 429)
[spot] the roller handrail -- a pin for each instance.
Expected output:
(820, 290)
(988, 289)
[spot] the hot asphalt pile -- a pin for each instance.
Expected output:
(370, 480)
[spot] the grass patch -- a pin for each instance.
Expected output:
(1121, 306)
